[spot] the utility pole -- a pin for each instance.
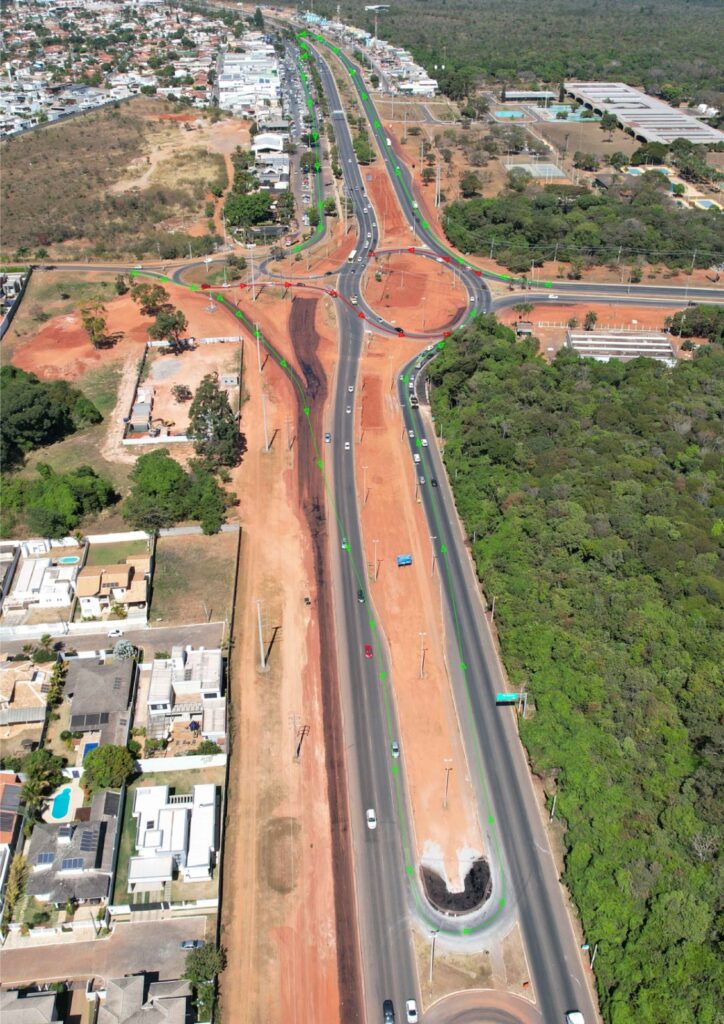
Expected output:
(262, 653)
(253, 293)
(289, 433)
(377, 564)
(364, 485)
(266, 430)
(553, 807)
(434, 555)
(448, 768)
(492, 613)
(688, 280)
(432, 951)
(594, 955)
(422, 654)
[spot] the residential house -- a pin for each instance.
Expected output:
(100, 587)
(187, 687)
(100, 696)
(23, 695)
(174, 834)
(74, 861)
(133, 1000)
(41, 583)
(10, 797)
(23, 1007)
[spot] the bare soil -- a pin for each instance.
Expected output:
(419, 294)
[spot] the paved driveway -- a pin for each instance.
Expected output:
(151, 946)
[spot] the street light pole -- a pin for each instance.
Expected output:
(422, 654)
(448, 768)
(376, 542)
(432, 951)
(266, 431)
(262, 656)
(258, 349)
(364, 485)
(434, 555)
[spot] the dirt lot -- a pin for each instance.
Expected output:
(162, 372)
(586, 137)
(192, 579)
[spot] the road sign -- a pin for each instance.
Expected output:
(506, 698)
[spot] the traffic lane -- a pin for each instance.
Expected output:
(553, 953)
(131, 948)
(484, 1007)
(204, 634)
(570, 298)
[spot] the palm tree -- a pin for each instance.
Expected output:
(33, 794)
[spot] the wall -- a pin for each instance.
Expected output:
(152, 765)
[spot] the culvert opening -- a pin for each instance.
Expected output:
(478, 887)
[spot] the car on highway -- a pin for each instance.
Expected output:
(371, 819)
(395, 748)
(361, 596)
(410, 433)
(192, 944)
(424, 443)
(349, 409)
(388, 1012)
(421, 479)
(368, 650)
(411, 1011)
(350, 388)
(328, 438)
(400, 330)
(416, 457)
(433, 481)
(344, 544)
(574, 1017)
(346, 446)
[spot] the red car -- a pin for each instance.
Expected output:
(368, 650)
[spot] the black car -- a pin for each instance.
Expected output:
(433, 481)
(399, 330)
(361, 596)
(388, 1011)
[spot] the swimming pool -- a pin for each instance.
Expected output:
(572, 115)
(61, 803)
(68, 560)
(707, 204)
(87, 749)
(509, 115)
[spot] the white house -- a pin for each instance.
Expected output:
(187, 687)
(173, 834)
(42, 583)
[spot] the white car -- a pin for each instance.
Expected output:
(424, 442)
(115, 632)
(410, 433)
(395, 749)
(365, 210)
(349, 409)
(371, 818)
(411, 1011)
(350, 388)
(346, 446)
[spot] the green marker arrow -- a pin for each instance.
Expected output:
(317, 166)
(425, 224)
(283, 363)
(410, 870)
(491, 819)
(398, 171)
(395, 768)
(463, 666)
(364, 95)
(306, 410)
(383, 676)
(443, 549)
(502, 901)
(194, 287)
(239, 313)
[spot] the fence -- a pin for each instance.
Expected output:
(8, 318)
(153, 765)
(235, 338)
(61, 628)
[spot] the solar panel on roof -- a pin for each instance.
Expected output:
(110, 806)
(11, 798)
(88, 840)
(104, 718)
(117, 683)
(71, 863)
(45, 858)
(7, 820)
(65, 831)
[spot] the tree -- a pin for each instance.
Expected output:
(590, 320)
(151, 298)
(561, 92)
(618, 160)
(124, 650)
(205, 964)
(157, 499)
(522, 308)
(428, 175)
(207, 747)
(121, 284)
(258, 20)
(585, 161)
(107, 767)
(212, 424)
(247, 210)
(608, 122)
(169, 324)
(93, 318)
(470, 185)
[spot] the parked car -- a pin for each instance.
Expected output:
(192, 944)
(115, 632)
(328, 438)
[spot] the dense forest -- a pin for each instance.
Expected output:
(596, 494)
(671, 48)
(631, 221)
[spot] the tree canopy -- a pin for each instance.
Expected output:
(212, 425)
(164, 494)
(107, 767)
(36, 413)
(595, 491)
(54, 504)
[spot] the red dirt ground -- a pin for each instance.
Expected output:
(421, 294)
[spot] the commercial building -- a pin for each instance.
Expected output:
(647, 118)
(623, 345)
(248, 82)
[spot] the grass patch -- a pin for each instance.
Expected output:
(101, 386)
(193, 578)
(112, 554)
(49, 294)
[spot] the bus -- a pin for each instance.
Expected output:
(350, 258)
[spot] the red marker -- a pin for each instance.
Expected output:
(333, 293)
(205, 286)
(446, 258)
(287, 284)
(411, 248)
(446, 334)
(478, 273)
(362, 316)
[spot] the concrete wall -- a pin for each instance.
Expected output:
(152, 765)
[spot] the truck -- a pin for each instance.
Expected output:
(404, 560)
(350, 258)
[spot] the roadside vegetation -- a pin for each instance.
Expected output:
(40, 212)
(594, 492)
(636, 222)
